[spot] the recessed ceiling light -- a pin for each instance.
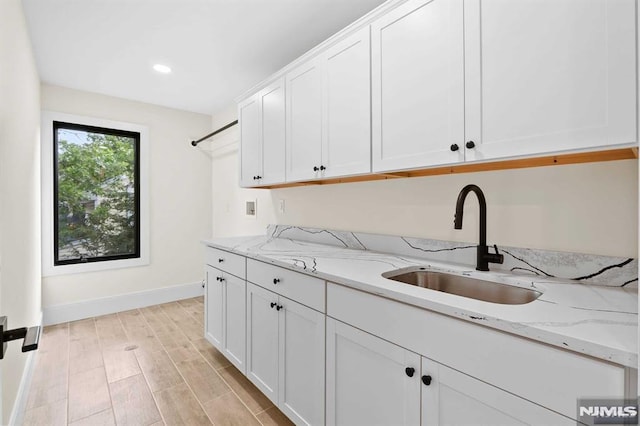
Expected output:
(162, 68)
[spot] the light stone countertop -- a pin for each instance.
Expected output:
(594, 320)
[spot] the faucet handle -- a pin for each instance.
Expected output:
(495, 258)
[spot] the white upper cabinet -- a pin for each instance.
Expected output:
(304, 121)
(262, 132)
(425, 83)
(346, 139)
(418, 85)
(250, 135)
(329, 113)
(549, 75)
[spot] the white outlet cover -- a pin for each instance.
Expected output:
(251, 208)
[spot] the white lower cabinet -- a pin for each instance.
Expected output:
(285, 354)
(453, 398)
(366, 379)
(371, 381)
(225, 315)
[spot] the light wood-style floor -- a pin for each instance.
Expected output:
(147, 366)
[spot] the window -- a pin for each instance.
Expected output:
(96, 199)
(95, 194)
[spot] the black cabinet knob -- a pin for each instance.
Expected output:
(273, 304)
(220, 260)
(258, 177)
(278, 307)
(276, 280)
(410, 371)
(219, 279)
(470, 144)
(315, 168)
(254, 178)
(454, 147)
(426, 380)
(323, 168)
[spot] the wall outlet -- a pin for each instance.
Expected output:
(281, 206)
(251, 208)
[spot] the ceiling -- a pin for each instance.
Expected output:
(217, 49)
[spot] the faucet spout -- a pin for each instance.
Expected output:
(483, 255)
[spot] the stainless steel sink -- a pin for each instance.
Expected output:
(472, 288)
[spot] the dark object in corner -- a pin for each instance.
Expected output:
(221, 129)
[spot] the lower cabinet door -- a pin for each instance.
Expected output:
(369, 380)
(301, 368)
(450, 397)
(214, 304)
(262, 340)
(234, 321)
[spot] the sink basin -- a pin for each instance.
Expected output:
(472, 288)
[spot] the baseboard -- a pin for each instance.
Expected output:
(123, 302)
(20, 404)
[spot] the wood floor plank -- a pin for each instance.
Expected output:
(179, 406)
(83, 329)
(274, 417)
(51, 414)
(246, 391)
(103, 418)
(227, 410)
(110, 331)
(84, 354)
(119, 362)
(211, 354)
(158, 369)
(88, 393)
(183, 352)
(203, 380)
(133, 403)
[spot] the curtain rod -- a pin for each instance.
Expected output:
(221, 129)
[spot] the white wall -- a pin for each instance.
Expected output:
(180, 187)
(19, 191)
(586, 208)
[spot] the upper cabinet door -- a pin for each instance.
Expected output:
(549, 75)
(304, 121)
(346, 144)
(418, 85)
(251, 137)
(272, 103)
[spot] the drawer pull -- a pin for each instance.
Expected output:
(219, 279)
(410, 371)
(220, 260)
(273, 305)
(276, 280)
(278, 307)
(426, 380)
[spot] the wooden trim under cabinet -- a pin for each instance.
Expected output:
(521, 163)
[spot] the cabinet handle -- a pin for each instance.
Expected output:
(470, 144)
(279, 307)
(315, 168)
(258, 177)
(323, 168)
(276, 280)
(220, 260)
(273, 305)
(220, 279)
(426, 380)
(454, 147)
(410, 371)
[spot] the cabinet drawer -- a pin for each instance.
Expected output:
(551, 377)
(225, 261)
(302, 288)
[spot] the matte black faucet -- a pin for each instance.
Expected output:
(483, 255)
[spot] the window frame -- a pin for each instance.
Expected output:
(57, 125)
(49, 195)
